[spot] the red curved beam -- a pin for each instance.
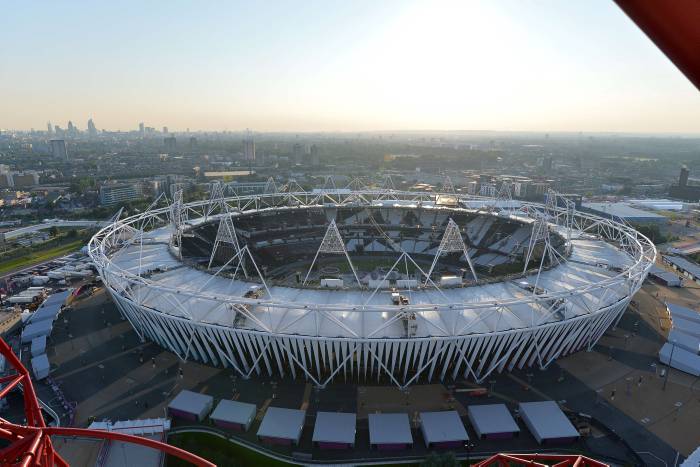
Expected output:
(540, 460)
(30, 444)
(674, 26)
(116, 436)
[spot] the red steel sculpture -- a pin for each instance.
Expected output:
(30, 444)
(539, 460)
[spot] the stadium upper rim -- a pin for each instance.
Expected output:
(137, 256)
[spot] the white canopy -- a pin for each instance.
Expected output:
(546, 421)
(282, 424)
(234, 412)
(335, 427)
(441, 427)
(192, 403)
(389, 428)
(491, 419)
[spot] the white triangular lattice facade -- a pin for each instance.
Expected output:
(332, 241)
(226, 234)
(451, 239)
(452, 242)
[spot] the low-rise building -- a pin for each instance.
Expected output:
(113, 193)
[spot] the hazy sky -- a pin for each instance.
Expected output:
(574, 65)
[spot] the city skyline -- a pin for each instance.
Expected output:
(506, 66)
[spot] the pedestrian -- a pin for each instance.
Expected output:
(153, 361)
(612, 395)
(639, 381)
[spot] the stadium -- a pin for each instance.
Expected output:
(368, 284)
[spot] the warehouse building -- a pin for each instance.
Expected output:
(623, 212)
(686, 267)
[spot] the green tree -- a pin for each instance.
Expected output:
(53, 231)
(446, 459)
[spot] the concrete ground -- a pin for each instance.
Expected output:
(100, 363)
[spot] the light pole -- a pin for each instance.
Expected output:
(670, 360)
(469, 446)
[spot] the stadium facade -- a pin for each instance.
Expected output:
(363, 284)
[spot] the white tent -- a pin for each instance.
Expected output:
(191, 405)
(492, 421)
(233, 414)
(40, 366)
(282, 426)
(547, 422)
(682, 359)
(685, 341)
(678, 311)
(389, 431)
(38, 346)
(334, 430)
(443, 429)
(34, 330)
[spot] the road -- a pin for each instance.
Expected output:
(47, 225)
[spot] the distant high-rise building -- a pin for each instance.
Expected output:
(170, 143)
(58, 149)
(142, 128)
(49, 128)
(547, 164)
(296, 153)
(57, 130)
(315, 157)
(165, 130)
(193, 142)
(72, 130)
(683, 179)
(92, 129)
(113, 193)
(683, 190)
(249, 147)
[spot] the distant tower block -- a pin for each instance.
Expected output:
(249, 146)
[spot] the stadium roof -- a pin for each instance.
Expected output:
(289, 311)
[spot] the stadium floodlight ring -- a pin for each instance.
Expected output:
(228, 316)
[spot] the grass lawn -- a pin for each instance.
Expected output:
(40, 256)
(219, 451)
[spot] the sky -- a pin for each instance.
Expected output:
(338, 65)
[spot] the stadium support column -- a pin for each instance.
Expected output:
(332, 243)
(178, 216)
(216, 200)
(227, 235)
(452, 242)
